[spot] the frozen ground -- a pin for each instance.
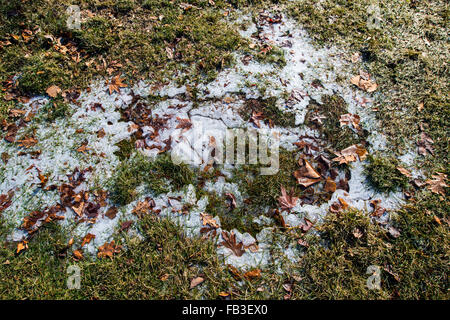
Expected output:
(217, 110)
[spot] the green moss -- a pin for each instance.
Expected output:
(382, 173)
(40, 72)
(126, 148)
(55, 109)
(96, 35)
(330, 111)
(154, 175)
(264, 190)
(270, 111)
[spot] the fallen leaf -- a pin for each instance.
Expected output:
(111, 212)
(330, 185)
(230, 243)
(357, 233)
(196, 281)
(350, 154)
(185, 124)
(437, 184)
(425, 144)
(78, 254)
(366, 85)
(306, 175)
(232, 199)
(53, 91)
(253, 274)
(108, 249)
(23, 245)
(350, 120)
(115, 84)
(27, 142)
(208, 220)
(256, 117)
(287, 201)
(404, 172)
(87, 239)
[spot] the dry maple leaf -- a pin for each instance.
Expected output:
(53, 91)
(111, 212)
(366, 85)
(438, 184)
(87, 239)
(208, 220)
(115, 84)
(306, 175)
(5, 200)
(350, 154)
(230, 243)
(287, 201)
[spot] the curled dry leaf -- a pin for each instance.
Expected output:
(87, 239)
(208, 220)
(366, 85)
(252, 274)
(232, 199)
(185, 124)
(350, 154)
(23, 245)
(27, 142)
(108, 249)
(437, 184)
(306, 175)
(78, 254)
(111, 212)
(425, 144)
(404, 172)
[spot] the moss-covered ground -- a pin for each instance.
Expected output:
(407, 56)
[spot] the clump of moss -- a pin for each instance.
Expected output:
(154, 175)
(382, 173)
(335, 267)
(332, 107)
(274, 56)
(231, 218)
(126, 148)
(270, 111)
(55, 109)
(40, 72)
(264, 190)
(96, 35)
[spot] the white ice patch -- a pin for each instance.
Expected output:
(218, 108)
